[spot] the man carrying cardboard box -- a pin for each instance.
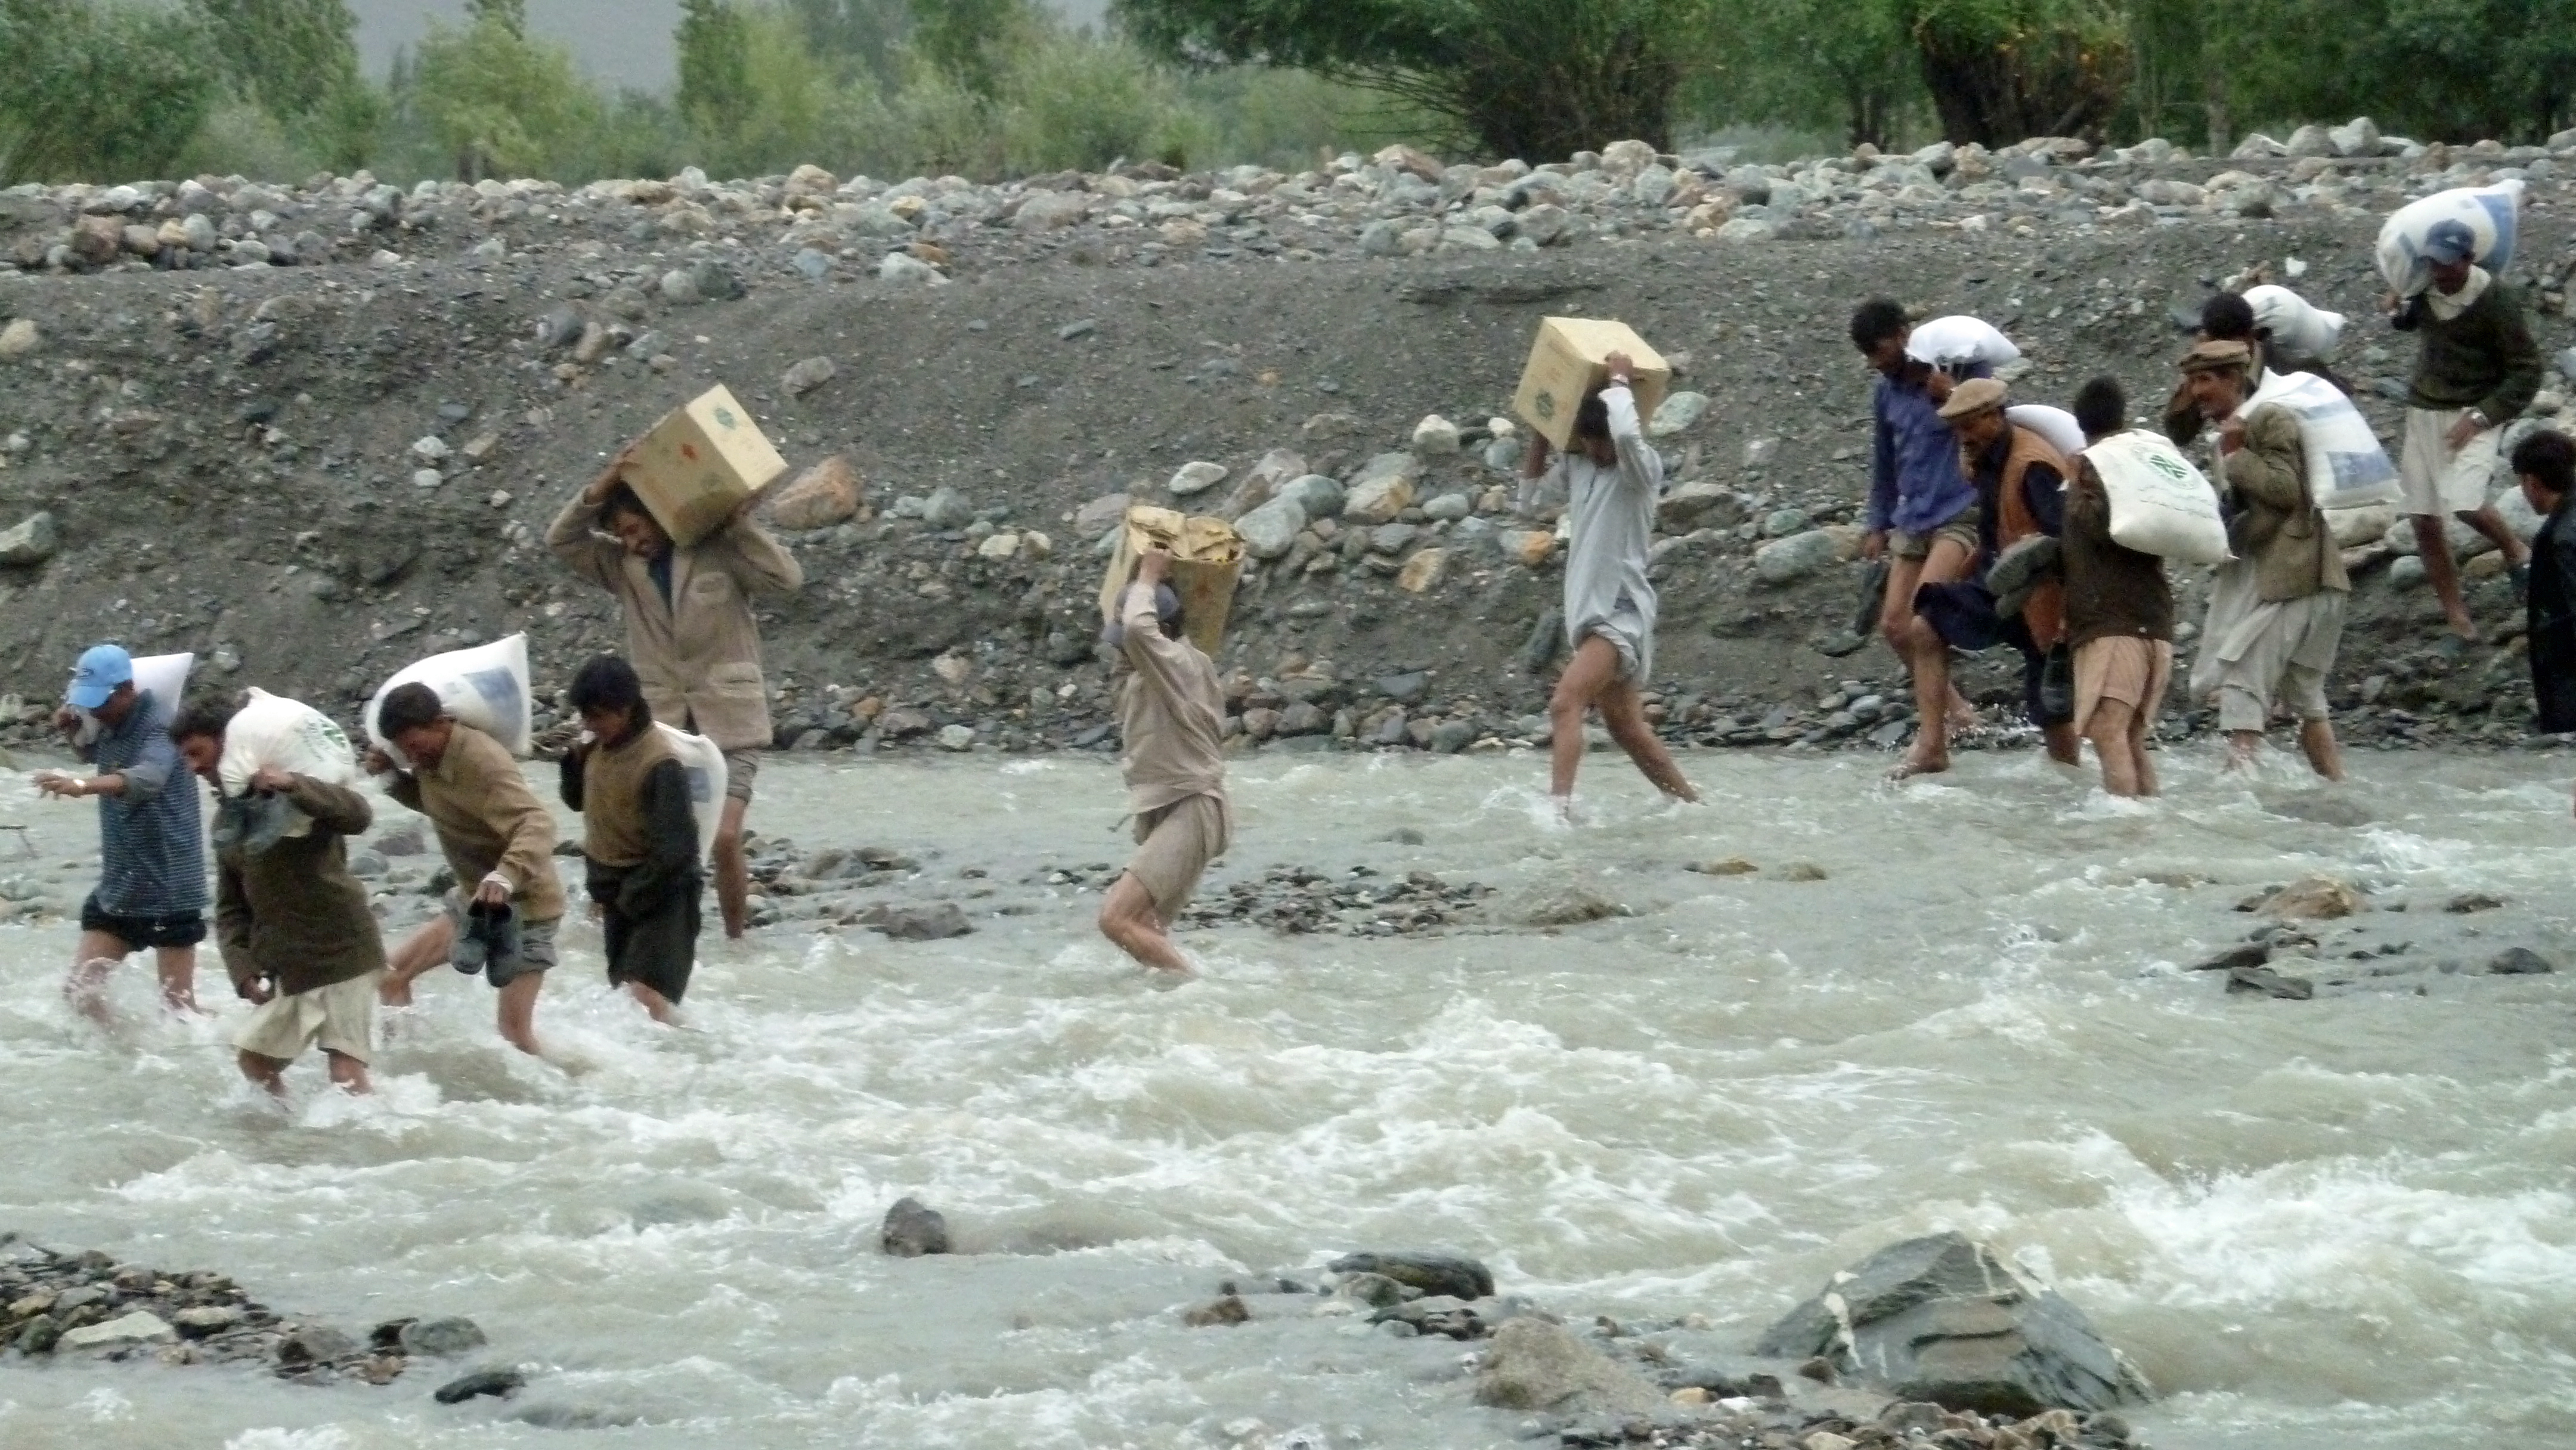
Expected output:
(1610, 479)
(689, 631)
(1171, 721)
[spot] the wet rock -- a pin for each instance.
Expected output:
(1224, 1310)
(1728, 866)
(1537, 1365)
(1374, 1290)
(199, 1321)
(441, 1338)
(2311, 898)
(1432, 1273)
(498, 1383)
(2247, 954)
(2264, 982)
(826, 494)
(935, 922)
(1943, 1319)
(1559, 903)
(140, 1327)
(314, 1344)
(2520, 962)
(31, 542)
(2468, 902)
(912, 1229)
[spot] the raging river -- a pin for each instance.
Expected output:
(2346, 1222)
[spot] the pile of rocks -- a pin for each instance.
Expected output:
(1398, 202)
(90, 1303)
(1298, 901)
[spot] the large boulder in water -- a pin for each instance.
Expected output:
(1452, 1274)
(1535, 1364)
(1942, 1319)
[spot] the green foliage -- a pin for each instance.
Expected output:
(510, 15)
(2002, 70)
(499, 103)
(100, 92)
(715, 66)
(1533, 78)
(287, 57)
(857, 38)
(972, 42)
(1076, 103)
(1291, 119)
(1849, 65)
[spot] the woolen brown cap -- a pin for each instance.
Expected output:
(1974, 396)
(2213, 356)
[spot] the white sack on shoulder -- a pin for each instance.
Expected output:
(2160, 504)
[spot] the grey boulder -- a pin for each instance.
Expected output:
(912, 1229)
(1537, 1365)
(1942, 1319)
(1432, 1273)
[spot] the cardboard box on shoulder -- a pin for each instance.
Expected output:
(699, 463)
(1565, 364)
(1207, 562)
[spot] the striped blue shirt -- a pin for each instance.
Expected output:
(151, 845)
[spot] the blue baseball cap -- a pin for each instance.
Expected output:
(102, 668)
(2449, 240)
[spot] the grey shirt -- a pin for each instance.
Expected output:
(1611, 514)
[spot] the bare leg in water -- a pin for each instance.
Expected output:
(1592, 679)
(1946, 564)
(97, 954)
(1128, 918)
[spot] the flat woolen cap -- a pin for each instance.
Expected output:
(2210, 357)
(1972, 397)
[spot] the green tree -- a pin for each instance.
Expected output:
(1075, 102)
(2003, 70)
(859, 37)
(715, 66)
(1528, 78)
(972, 42)
(498, 102)
(1848, 64)
(287, 57)
(97, 92)
(510, 15)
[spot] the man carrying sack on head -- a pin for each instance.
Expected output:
(690, 634)
(1171, 723)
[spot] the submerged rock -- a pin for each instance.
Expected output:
(1538, 1365)
(912, 1229)
(935, 922)
(500, 1383)
(1223, 1310)
(1432, 1273)
(445, 1338)
(1942, 1319)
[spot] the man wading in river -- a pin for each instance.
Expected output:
(1171, 723)
(1922, 510)
(2282, 646)
(1610, 480)
(152, 864)
(299, 940)
(640, 841)
(495, 835)
(2021, 496)
(690, 629)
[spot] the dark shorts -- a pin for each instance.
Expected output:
(1963, 614)
(659, 949)
(138, 932)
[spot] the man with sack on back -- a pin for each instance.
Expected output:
(2283, 646)
(690, 633)
(2119, 613)
(2478, 370)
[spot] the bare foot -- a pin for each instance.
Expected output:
(1914, 765)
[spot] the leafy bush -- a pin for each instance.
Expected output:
(100, 92)
(499, 102)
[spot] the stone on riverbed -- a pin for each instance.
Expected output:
(1560, 903)
(140, 1327)
(1432, 1273)
(500, 1383)
(444, 1338)
(2310, 898)
(935, 922)
(912, 1229)
(1942, 1319)
(1538, 1365)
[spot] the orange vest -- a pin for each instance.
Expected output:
(2045, 615)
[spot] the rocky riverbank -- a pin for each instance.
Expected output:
(312, 474)
(61, 1304)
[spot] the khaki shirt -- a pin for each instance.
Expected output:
(2280, 527)
(487, 820)
(698, 654)
(1171, 713)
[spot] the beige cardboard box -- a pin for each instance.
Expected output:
(1565, 364)
(1207, 561)
(699, 463)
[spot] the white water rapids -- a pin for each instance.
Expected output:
(2349, 1222)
